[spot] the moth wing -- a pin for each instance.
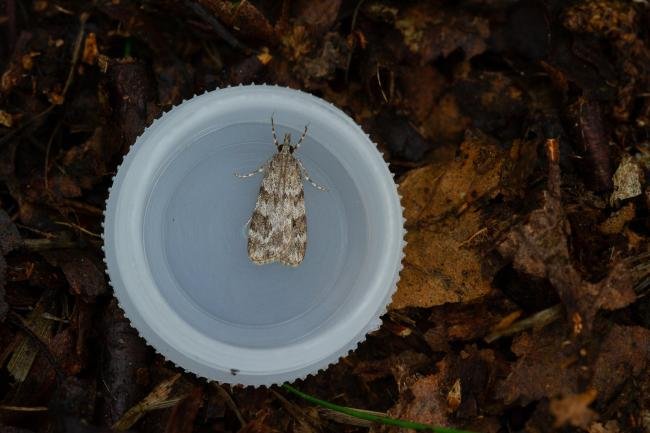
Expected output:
(294, 255)
(279, 203)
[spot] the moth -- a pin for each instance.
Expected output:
(277, 230)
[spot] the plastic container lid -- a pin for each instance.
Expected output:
(175, 238)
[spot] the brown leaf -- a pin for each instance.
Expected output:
(447, 122)
(425, 401)
(6, 119)
(401, 366)
(494, 101)
(549, 365)
(261, 423)
(182, 417)
(317, 15)
(297, 43)
(331, 56)
(608, 427)
(87, 163)
(539, 247)
(158, 398)
(603, 17)
(42, 377)
(454, 396)
(431, 32)
(413, 79)
(397, 134)
(625, 353)
(627, 180)
(439, 267)
(464, 321)
(617, 221)
(65, 186)
(546, 367)
(243, 17)
(574, 409)
(82, 271)
(26, 351)
(90, 51)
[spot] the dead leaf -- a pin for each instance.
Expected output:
(539, 247)
(430, 399)
(425, 401)
(494, 101)
(296, 43)
(625, 352)
(454, 396)
(88, 161)
(412, 80)
(64, 186)
(401, 366)
(82, 271)
(243, 17)
(447, 122)
(90, 51)
(332, 55)
(55, 98)
(574, 409)
(260, 424)
(6, 119)
(397, 134)
(608, 427)
(317, 15)
(627, 179)
(617, 221)
(606, 18)
(431, 31)
(182, 416)
(465, 321)
(11, 77)
(439, 267)
(264, 56)
(27, 60)
(158, 398)
(545, 366)
(26, 350)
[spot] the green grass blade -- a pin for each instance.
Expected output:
(369, 416)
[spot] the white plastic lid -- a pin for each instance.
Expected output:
(175, 238)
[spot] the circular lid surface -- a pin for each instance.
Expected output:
(175, 238)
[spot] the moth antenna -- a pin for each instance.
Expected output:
(252, 173)
(302, 137)
(275, 138)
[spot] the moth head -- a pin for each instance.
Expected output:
(286, 144)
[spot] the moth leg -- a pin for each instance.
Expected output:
(308, 179)
(275, 138)
(301, 138)
(252, 173)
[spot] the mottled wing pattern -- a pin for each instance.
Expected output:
(278, 228)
